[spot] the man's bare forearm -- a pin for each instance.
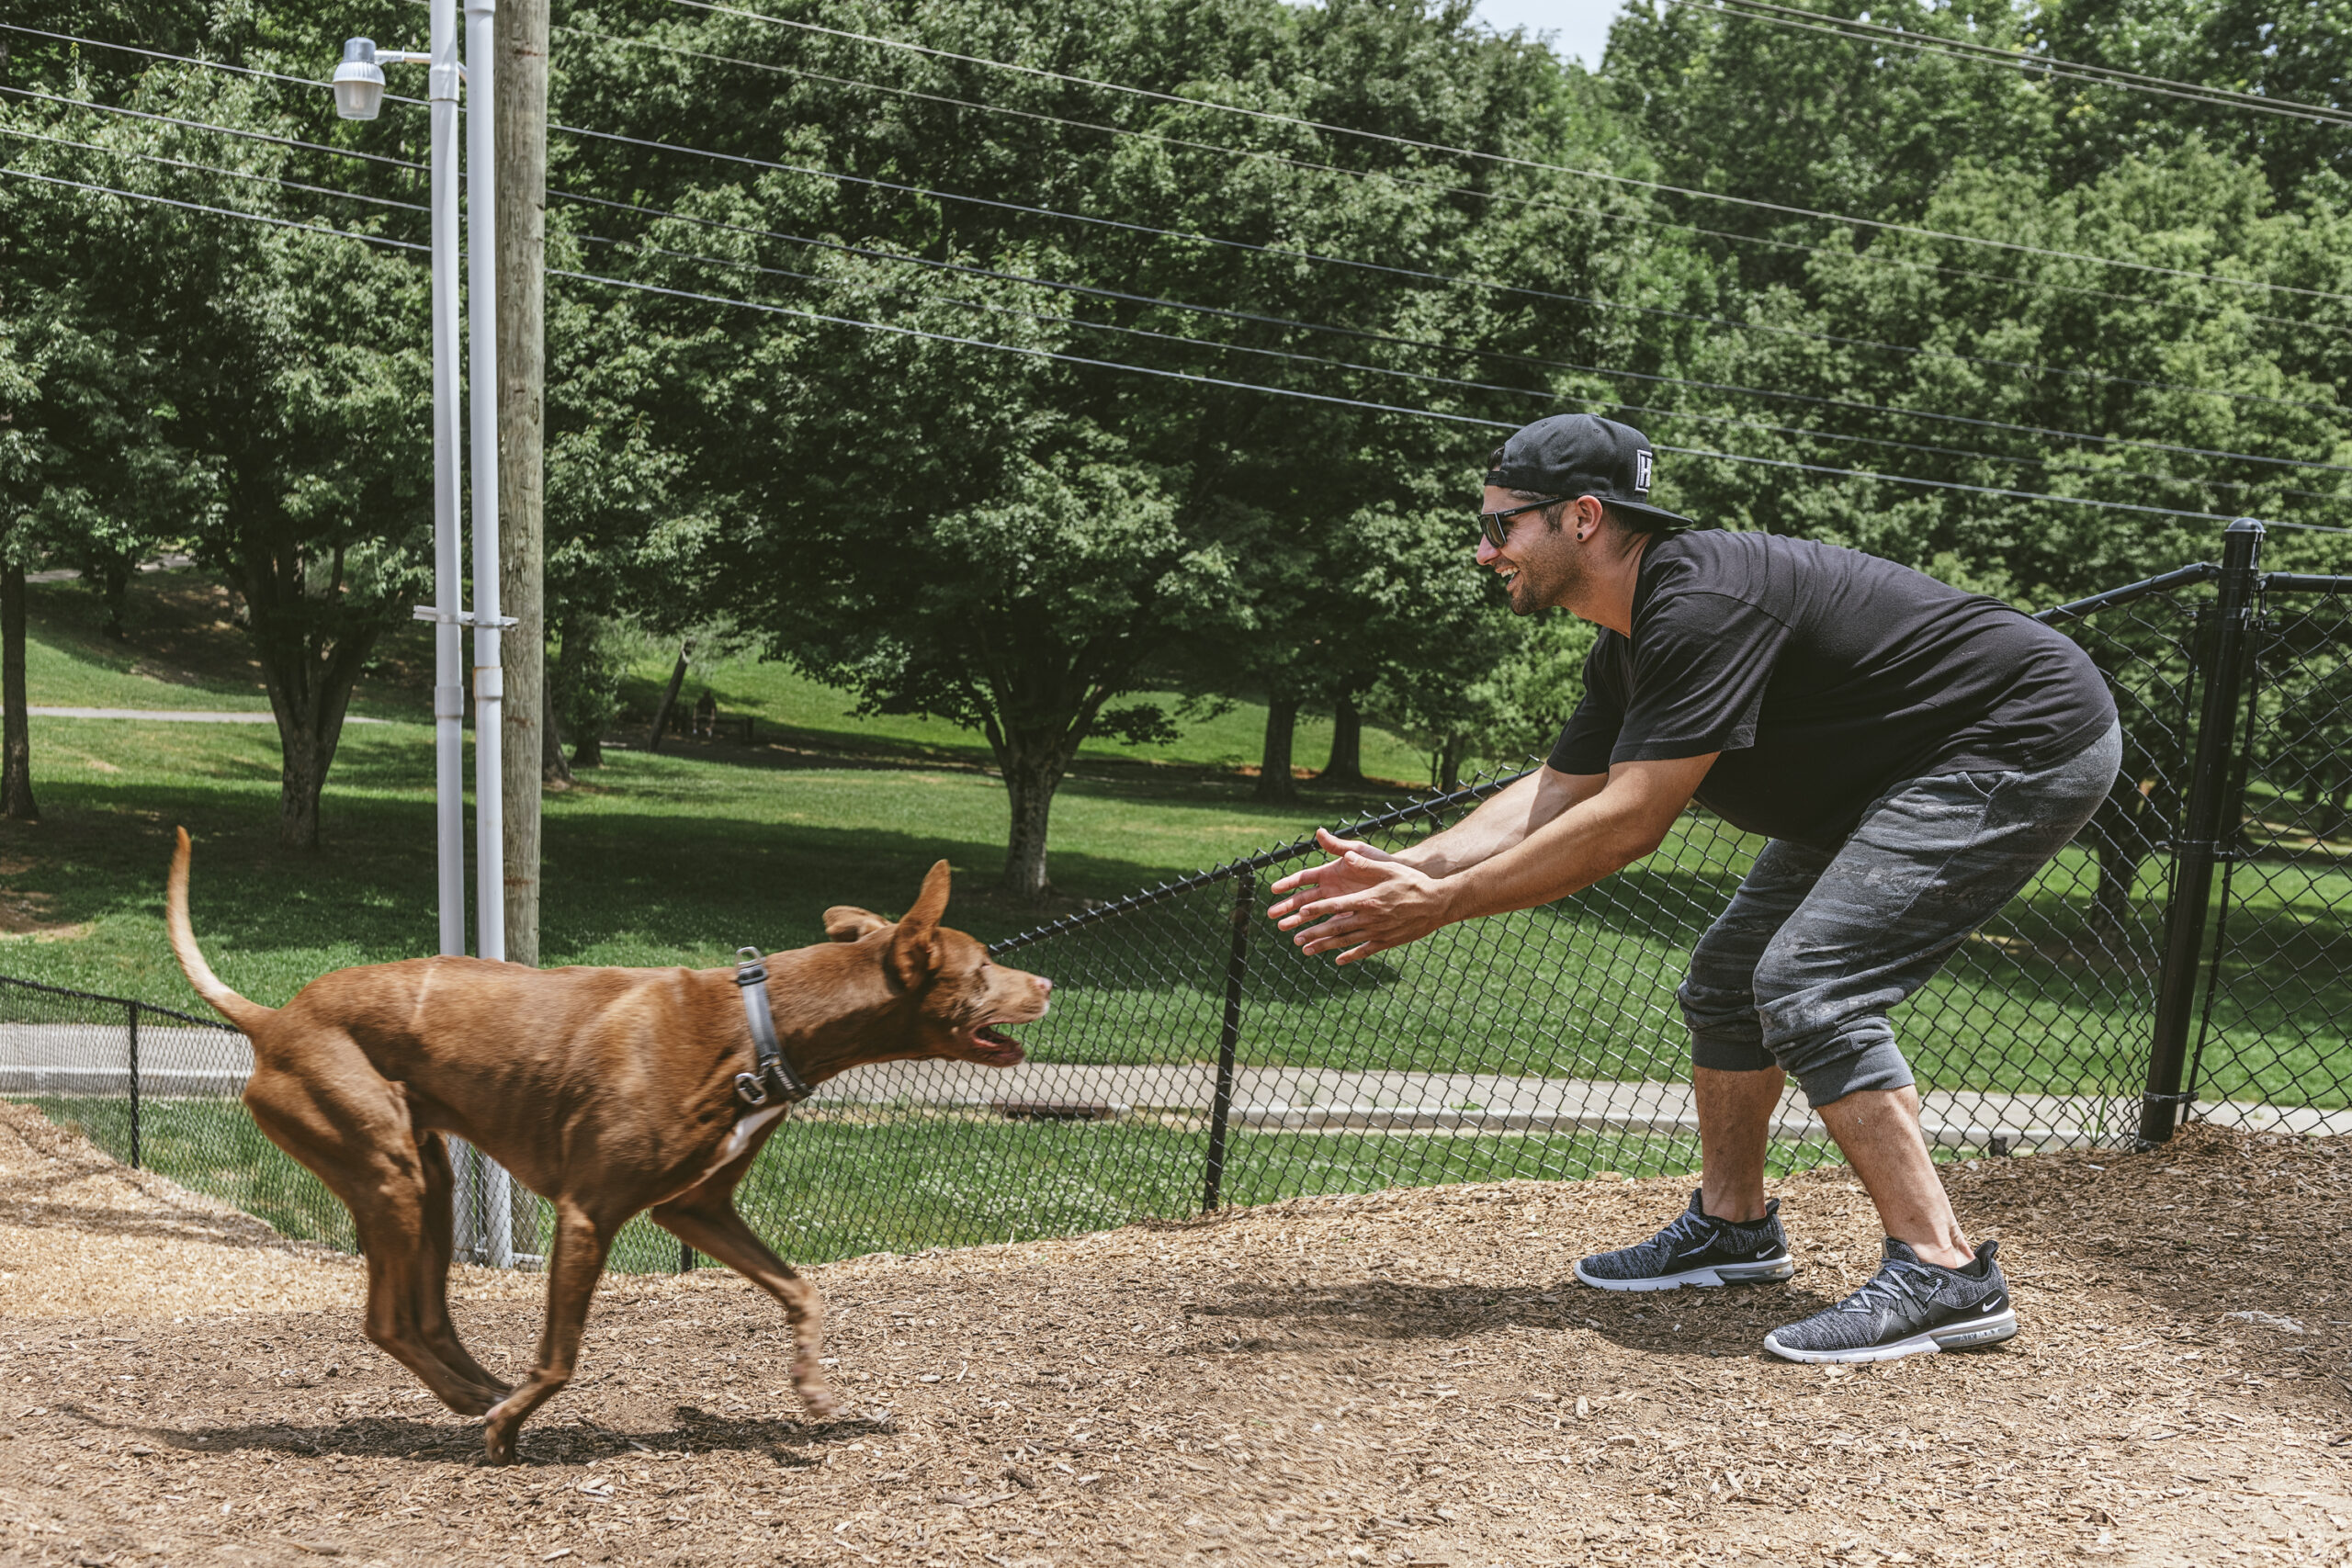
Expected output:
(1599, 832)
(1502, 820)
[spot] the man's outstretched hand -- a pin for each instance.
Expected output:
(1365, 901)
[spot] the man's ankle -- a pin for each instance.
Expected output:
(1741, 1209)
(1943, 1255)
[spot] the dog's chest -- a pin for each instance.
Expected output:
(747, 1127)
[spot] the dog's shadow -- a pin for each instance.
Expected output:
(795, 1444)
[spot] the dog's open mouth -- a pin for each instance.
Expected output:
(992, 1046)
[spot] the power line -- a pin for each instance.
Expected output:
(1694, 316)
(208, 125)
(1539, 394)
(1505, 158)
(1353, 402)
(213, 169)
(1862, 31)
(1247, 152)
(1733, 389)
(1814, 400)
(217, 211)
(187, 60)
(1436, 186)
(896, 330)
(1598, 303)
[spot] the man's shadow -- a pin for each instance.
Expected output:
(1700, 1323)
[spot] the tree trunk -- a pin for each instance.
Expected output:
(304, 758)
(553, 773)
(1031, 790)
(1033, 758)
(669, 699)
(114, 586)
(16, 750)
(2120, 839)
(583, 635)
(520, 108)
(312, 645)
(1449, 762)
(1346, 766)
(1274, 781)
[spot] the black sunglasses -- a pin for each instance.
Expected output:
(1494, 524)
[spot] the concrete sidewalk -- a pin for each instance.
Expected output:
(178, 716)
(180, 1060)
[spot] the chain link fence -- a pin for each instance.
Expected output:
(1192, 1060)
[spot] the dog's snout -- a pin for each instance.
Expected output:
(1044, 987)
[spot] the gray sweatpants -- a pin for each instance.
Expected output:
(1819, 943)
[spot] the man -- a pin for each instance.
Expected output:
(1912, 753)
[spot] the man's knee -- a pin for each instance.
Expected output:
(1853, 1054)
(1725, 1033)
(1832, 1037)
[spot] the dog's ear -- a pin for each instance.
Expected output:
(847, 922)
(910, 953)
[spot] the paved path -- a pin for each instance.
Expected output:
(178, 1060)
(177, 716)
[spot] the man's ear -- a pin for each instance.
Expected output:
(911, 952)
(847, 922)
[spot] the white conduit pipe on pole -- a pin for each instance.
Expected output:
(449, 593)
(490, 688)
(448, 578)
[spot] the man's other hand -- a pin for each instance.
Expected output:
(1366, 900)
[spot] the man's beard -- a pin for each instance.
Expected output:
(1532, 594)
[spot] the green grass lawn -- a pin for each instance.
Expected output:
(839, 1185)
(810, 714)
(683, 857)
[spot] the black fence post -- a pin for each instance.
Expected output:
(1245, 897)
(133, 1009)
(2211, 811)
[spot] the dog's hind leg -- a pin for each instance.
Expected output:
(575, 1262)
(432, 1278)
(704, 1219)
(354, 1135)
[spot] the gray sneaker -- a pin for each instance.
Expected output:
(1907, 1308)
(1696, 1249)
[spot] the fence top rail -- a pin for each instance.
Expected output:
(2163, 583)
(116, 1001)
(2302, 582)
(1395, 817)
(2073, 610)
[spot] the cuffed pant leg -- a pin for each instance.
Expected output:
(1718, 995)
(1931, 860)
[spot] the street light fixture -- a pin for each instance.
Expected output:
(487, 1229)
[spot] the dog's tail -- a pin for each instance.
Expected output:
(247, 1016)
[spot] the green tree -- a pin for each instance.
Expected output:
(257, 379)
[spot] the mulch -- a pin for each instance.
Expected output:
(1407, 1378)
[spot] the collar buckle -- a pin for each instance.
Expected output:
(772, 1078)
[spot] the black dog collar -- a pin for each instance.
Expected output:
(772, 1076)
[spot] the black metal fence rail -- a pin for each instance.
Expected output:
(157, 1088)
(2192, 948)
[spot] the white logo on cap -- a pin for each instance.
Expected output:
(1642, 473)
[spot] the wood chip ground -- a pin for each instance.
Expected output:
(1412, 1378)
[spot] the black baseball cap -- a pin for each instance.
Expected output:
(1582, 453)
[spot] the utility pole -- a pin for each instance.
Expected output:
(520, 112)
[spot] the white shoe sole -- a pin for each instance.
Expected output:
(1714, 1274)
(1950, 1336)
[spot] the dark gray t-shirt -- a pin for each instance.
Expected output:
(1825, 677)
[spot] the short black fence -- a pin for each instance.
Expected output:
(2189, 950)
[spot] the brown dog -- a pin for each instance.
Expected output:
(606, 1091)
